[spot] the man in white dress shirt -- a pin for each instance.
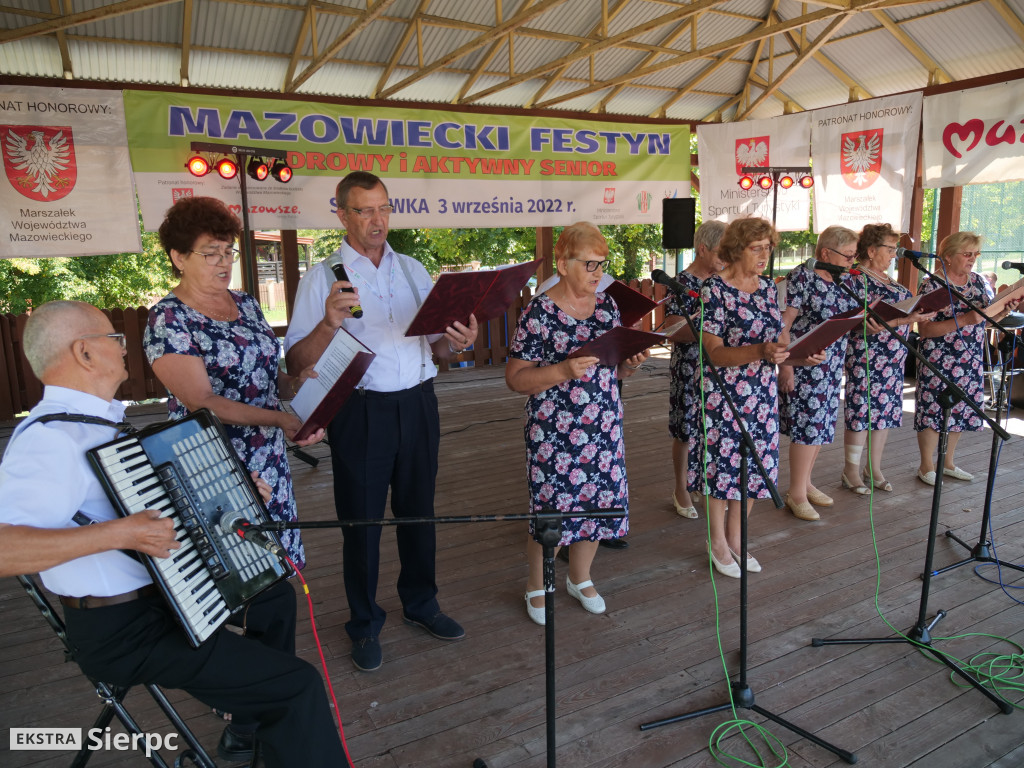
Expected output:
(387, 435)
(55, 519)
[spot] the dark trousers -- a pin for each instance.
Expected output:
(382, 441)
(257, 678)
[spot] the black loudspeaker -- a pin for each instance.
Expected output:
(678, 216)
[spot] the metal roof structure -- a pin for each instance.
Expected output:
(704, 60)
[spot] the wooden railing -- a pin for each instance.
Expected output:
(20, 389)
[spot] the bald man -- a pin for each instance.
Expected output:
(122, 630)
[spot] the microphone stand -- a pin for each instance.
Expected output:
(920, 634)
(547, 524)
(981, 552)
(742, 694)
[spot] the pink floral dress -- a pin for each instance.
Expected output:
(576, 460)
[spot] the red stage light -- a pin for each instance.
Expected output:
(765, 182)
(786, 182)
(746, 182)
(227, 168)
(198, 166)
(257, 169)
(281, 171)
(807, 182)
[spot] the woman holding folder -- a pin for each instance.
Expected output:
(576, 459)
(809, 396)
(878, 357)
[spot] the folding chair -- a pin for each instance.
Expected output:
(113, 698)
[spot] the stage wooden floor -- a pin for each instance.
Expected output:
(654, 654)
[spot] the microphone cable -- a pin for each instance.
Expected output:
(726, 730)
(323, 661)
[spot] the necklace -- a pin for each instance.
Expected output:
(880, 276)
(573, 307)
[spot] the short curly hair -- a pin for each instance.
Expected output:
(874, 235)
(192, 217)
(579, 238)
(956, 243)
(741, 233)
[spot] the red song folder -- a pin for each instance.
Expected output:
(633, 305)
(923, 302)
(825, 333)
(486, 293)
(339, 370)
(618, 344)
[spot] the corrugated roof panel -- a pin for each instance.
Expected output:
(345, 80)
(984, 45)
(374, 43)
(637, 101)
(34, 57)
(674, 77)
(573, 17)
(472, 11)
(438, 42)
(881, 64)
(914, 10)
(607, 64)
(694, 107)
(514, 96)
(532, 52)
(150, 64)
(236, 71)
(812, 86)
(329, 27)
(161, 24)
(223, 26)
(435, 87)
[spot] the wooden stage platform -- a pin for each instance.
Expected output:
(654, 653)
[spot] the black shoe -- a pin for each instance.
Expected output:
(366, 654)
(440, 626)
(614, 543)
(234, 746)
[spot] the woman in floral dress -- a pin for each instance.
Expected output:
(212, 348)
(879, 358)
(743, 336)
(576, 459)
(809, 396)
(954, 343)
(682, 405)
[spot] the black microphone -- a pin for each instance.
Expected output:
(833, 269)
(906, 253)
(1018, 265)
(237, 523)
(338, 268)
(662, 277)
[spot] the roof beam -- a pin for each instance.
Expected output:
(497, 31)
(84, 17)
(488, 56)
(186, 42)
(412, 27)
(62, 41)
(361, 22)
(938, 74)
(1007, 15)
(308, 26)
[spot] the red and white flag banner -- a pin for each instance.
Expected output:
(67, 188)
(865, 156)
(974, 136)
(725, 149)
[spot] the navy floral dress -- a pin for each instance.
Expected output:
(809, 412)
(738, 318)
(959, 355)
(883, 357)
(241, 358)
(575, 454)
(682, 404)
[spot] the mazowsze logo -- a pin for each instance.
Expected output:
(40, 160)
(860, 157)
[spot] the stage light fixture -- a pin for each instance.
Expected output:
(746, 182)
(198, 165)
(806, 182)
(786, 182)
(257, 169)
(281, 171)
(765, 182)
(227, 168)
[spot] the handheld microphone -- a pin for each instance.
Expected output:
(833, 269)
(906, 253)
(340, 274)
(662, 277)
(237, 523)
(1018, 265)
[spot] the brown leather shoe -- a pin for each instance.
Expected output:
(821, 499)
(804, 511)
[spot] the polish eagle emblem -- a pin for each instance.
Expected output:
(861, 157)
(39, 160)
(751, 152)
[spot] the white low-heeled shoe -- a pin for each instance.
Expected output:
(690, 512)
(591, 604)
(957, 473)
(732, 570)
(752, 565)
(536, 614)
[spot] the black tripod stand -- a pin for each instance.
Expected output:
(548, 525)
(742, 694)
(920, 634)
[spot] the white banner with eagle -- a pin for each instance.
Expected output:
(725, 149)
(67, 187)
(865, 156)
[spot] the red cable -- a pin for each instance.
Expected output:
(323, 661)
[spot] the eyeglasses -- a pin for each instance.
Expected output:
(119, 336)
(216, 257)
(970, 254)
(757, 250)
(592, 266)
(844, 255)
(367, 213)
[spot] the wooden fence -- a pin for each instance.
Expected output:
(20, 389)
